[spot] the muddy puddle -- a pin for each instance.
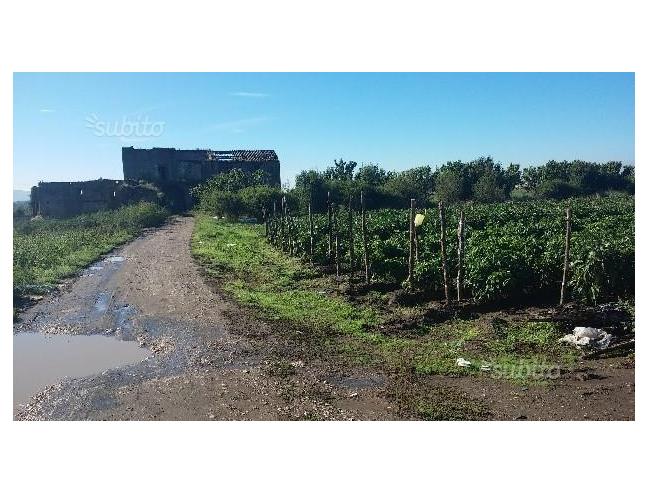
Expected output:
(42, 360)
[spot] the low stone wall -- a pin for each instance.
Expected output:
(66, 199)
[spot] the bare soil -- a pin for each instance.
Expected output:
(214, 360)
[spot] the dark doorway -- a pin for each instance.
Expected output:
(162, 173)
(176, 197)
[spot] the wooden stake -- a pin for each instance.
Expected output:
(330, 226)
(289, 230)
(265, 222)
(364, 237)
(288, 243)
(337, 242)
(274, 223)
(563, 287)
(412, 233)
(282, 224)
(310, 227)
(291, 233)
(444, 260)
(460, 253)
(351, 252)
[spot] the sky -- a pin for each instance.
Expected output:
(71, 126)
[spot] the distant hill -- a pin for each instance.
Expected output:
(20, 196)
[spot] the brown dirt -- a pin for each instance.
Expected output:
(214, 360)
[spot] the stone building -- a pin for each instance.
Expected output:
(158, 175)
(169, 165)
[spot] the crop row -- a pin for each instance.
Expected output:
(513, 250)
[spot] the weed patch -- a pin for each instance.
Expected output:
(46, 251)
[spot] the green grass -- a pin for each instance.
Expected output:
(258, 275)
(283, 288)
(45, 251)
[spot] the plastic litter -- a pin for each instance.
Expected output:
(461, 362)
(588, 337)
(586, 331)
(418, 220)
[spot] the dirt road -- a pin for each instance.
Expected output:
(212, 360)
(200, 369)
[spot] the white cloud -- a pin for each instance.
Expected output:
(249, 94)
(45, 110)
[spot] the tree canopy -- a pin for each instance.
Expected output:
(481, 180)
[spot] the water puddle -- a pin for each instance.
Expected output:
(114, 259)
(102, 302)
(42, 360)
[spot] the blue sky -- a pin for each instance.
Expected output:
(72, 126)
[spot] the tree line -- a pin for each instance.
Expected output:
(482, 180)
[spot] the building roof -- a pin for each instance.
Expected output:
(219, 155)
(242, 155)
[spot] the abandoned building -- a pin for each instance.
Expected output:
(163, 175)
(169, 165)
(66, 199)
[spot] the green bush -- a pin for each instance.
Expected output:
(557, 189)
(235, 193)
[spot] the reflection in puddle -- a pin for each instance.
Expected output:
(101, 304)
(42, 360)
(114, 259)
